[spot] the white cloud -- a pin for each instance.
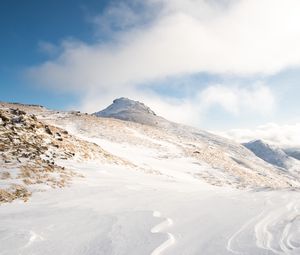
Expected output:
(236, 99)
(236, 37)
(222, 96)
(120, 16)
(243, 37)
(280, 135)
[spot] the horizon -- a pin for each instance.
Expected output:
(208, 64)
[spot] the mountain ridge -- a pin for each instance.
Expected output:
(156, 146)
(269, 153)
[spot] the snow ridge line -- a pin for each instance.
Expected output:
(158, 229)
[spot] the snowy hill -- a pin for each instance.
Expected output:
(230, 163)
(127, 181)
(130, 132)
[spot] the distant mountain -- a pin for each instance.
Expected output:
(293, 152)
(130, 110)
(269, 153)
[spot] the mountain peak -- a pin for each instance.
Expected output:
(126, 109)
(258, 142)
(268, 153)
(126, 104)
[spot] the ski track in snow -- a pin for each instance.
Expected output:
(279, 230)
(158, 229)
(276, 230)
(234, 237)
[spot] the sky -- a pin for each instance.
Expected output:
(231, 66)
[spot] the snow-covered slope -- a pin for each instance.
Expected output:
(30, 151)
(216, 160)
(269, 153)
(148, 144)
(148, 188)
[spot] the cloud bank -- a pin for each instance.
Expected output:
(257, 98)
(246, 37)
(280, 135)
(157, 39)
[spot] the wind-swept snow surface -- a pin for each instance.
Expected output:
(111, 212)
(154, 189)
(170, 240)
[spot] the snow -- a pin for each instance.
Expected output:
(156, 200)
(157, 229)
(130, 110)
(268, 153)
(115, 210)
(285, 159)
(121, 105)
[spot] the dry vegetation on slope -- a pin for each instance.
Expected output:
(31, 155)
(35, 142)
(222, 162)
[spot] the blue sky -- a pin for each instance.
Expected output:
(205, 63)
(25, 26)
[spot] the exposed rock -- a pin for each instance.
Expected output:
(24, 141)
(30, 150)
(48, 131)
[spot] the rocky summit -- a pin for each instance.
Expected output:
(130, 110)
